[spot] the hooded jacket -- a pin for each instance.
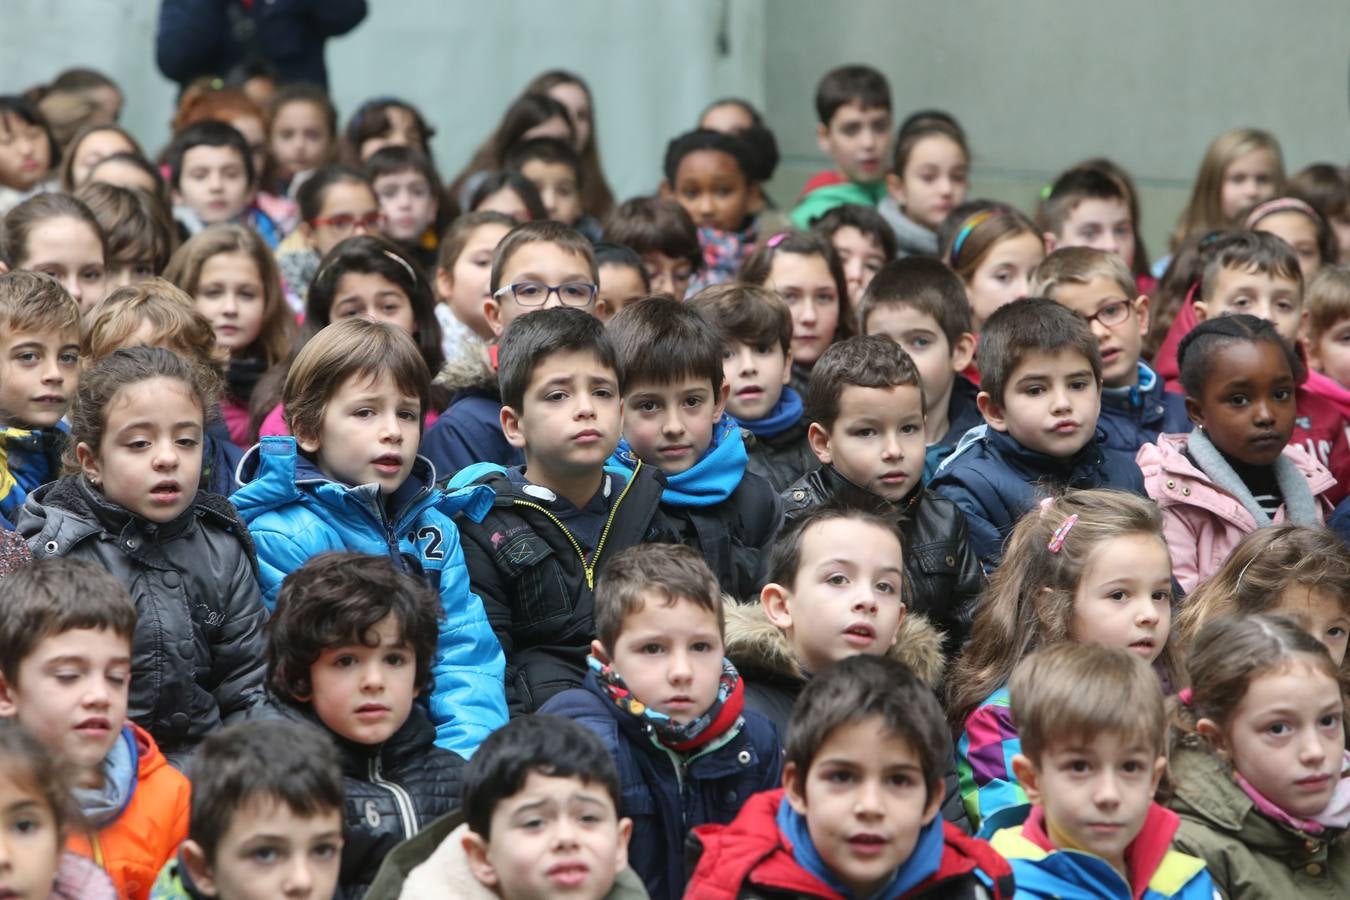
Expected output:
(470, 429)
(295, 513)
(197, 653)
(29, 458)
(1134, 416)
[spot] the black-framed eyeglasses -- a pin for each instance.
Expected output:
(535, 293)
(1110, 315)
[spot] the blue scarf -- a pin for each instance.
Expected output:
(1136, 393)
(707, 482)
(785, 413)
(922, 864)
(102, 805)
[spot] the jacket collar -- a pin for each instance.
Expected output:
(1034, 464)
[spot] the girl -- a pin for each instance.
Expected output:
(531, 116)
(57, 235)
(230, 274)
(28, 151)
(384, 122)
(301, 137)
(408, 189)
(1241, 167)
(131, 504)
(88, 148)
(130, 170)
(569, 90)
(1258, 752)
(1286, 570)
(1236, 472)
(863, 242)
(993, 248)
(1295, 222)
(40, 814)
(509, 193)
(138, 230)
(931, 177)
(1086, 566)
(336, 202)
(462, 276)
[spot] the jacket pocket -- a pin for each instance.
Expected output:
(542, 595)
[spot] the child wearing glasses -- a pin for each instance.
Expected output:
(336, 202)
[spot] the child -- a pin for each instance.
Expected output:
(1093, 734)
(664, 235)
(30, 151)
(408, 188)
(1237, 471)
(130, 170)
(39, 371)
(1285, 570)
(865, 405)
(301, 136)
(863, 242)
(928, 178)
(1087, 208)
(1097, 284)
(139, 231)
(755, 327)
(669, 707)
(133, 506)
(1040, 397)
(674, 419)
(1295, 222)
(65, 664)
(707, 173)
(858, 813)
(993, 248)
(554, 168)
(1241, 168)
(336, 202)
(211, 174)
(530, 116)
(350, 649)
(1258, 753)
(836, 589)
(510, 194)
(1327, 326)
(1087, 567)
(351, 479)
(463, 271)
(853, 104)
(1327, 188)
(921, 305)
(90, 146)
(385, 122)
(557, 521)
(266, 816)
(571, 91)
(58, 236)
(623, 279)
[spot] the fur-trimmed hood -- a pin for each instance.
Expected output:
(471, 368)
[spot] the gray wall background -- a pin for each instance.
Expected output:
(1038, 84)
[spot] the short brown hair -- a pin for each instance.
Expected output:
(136, 225)
(1031, 325)
(36, 302)
(1080, 265)
(20, 221)
(747, 313)
(924, 284)
(1071, 189)
(1074, 691)
(456, 237)
(545, 232)
(1327, 300)
(659, 340)
(669, 572)
(854, 83)
(171, 314)
(655, 225)
(869, 361)
(1325, 186)
(1248, 251)
(785, 557)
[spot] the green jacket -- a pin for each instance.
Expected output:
(1249, 856)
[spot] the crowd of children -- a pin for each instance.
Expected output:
(365, 534)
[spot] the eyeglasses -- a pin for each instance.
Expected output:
(1110, 315)
(348, 224)
(535, 293)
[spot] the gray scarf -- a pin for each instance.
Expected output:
(1300, 507)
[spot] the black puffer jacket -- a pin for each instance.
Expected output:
(782, 458)
(733, 536)
(943, 578)
(197, 655)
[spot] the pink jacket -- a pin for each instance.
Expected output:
(1202, 522)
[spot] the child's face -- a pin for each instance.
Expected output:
(30, 844)
(465, 287)
(755, 376)
(865, 799)
(1330, 353)
(812, 295)
(1320, 612)
(1102, 223)
(670, 426)
(1118, 321)
(555, 837)
(1124, 596)
(69, 250)
(570, 422)
(845, 596)
(877, 440)
(70, 693)
(374, 297)
(574, 97)
(1340, 226)
(1247, 405)
(861, 257)
(934, 182)
(269, 850)
(557, 186)
(38, 377)
(541, 261)
(348, 208)
(1299, 232)
(711, 187)
(255, 136)
(25, 155)
(670, 656)
(369, 433)
(667, 274)
(120, 173)
(150, 459)
(505, 200)
(920, 335)
(1050, 404)
(402, 132)
(1002, 276)
(1096, 793)
(858, 140)
(92, 149)
(300, 137)
(407, 204)
(213, 183)
(230, 295)
(134, 268)
(362, 693)
(620, 285)
(1248, 180)
(1235, 290)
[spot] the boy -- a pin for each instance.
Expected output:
(921, 305)
(39, 371)
(853, 104)
(669, 707)
(266, 816)
(674, 419)
(623, 279)
(351, 479)
(554, 168)
(707, 173)
(1327, 335)
(1041, 376)
(211, 175)
(660, 232)
(1093, 728)
(1086, 208)
(350, 649)
(858, 812)
(65, 668)
(866, 408)
(556, 522)
(755, 326)
(1097, 285)
(537, 265)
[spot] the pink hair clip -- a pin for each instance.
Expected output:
(1185, 696)
(1057, 539)
(776, 239)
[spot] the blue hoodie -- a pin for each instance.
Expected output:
(1134, 416)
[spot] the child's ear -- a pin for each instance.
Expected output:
(722, 396)
(899, 623)
(787, 367)
(963, 352)
(621, 851)
(475, 848)
(794, 790)
(1210, 731)
(1201, 310)
(992, 411)
(819, 439)
(936, 792)
(1194, 413)
(511, 427)
(1028, 776)
(492, 314)
(8, 708)
(194, 860)
(602, 310)
(1159, 767)
(1050, 241)
(774, 600)
(599, 652)
(823, 140)
(445, 283)
(895, 186)
(667, 192)
(307, 442)
(1141, 310)
(88, 461)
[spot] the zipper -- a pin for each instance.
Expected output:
(587, 567)
(401, 799)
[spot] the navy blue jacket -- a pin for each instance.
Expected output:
(995, 480)
(468, 432)
(1135, 417)
(664, 804)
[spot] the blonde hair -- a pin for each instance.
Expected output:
(1204, 209)
(1327, 300)
(1080, 265)
(173, 318)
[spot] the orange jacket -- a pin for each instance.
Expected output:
(146, 833)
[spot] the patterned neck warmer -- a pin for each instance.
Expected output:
(721, 717)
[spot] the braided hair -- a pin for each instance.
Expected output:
(1196, 352)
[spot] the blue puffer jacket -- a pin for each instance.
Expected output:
(1133, 417)
(295, 512)
(995, 480)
